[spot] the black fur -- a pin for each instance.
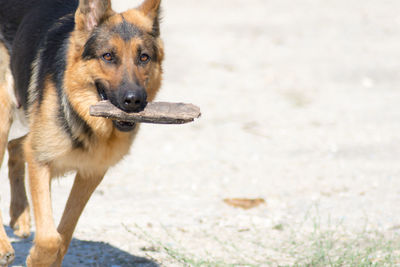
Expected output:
(46, 40)
(11, 15)
(156, 24)
(127, 30)
(33, 35)
(54, 48)
(91, 47)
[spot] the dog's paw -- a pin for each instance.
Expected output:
(22, 225)
(6, 251)
(6, 257)
(45, 251)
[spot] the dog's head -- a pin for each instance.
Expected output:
(119, 54)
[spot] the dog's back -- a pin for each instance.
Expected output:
(25, 36)
(11, 14)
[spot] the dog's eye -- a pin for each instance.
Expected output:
(144, 58)
(108, 57)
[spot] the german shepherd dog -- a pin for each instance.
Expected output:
(57, 58)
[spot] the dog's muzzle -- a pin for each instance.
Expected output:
(128, 101)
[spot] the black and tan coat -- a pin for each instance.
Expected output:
(57, 58)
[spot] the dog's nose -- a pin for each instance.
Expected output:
(134, 100)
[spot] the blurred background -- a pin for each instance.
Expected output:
(300, 113)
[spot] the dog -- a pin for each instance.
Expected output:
(57, 58)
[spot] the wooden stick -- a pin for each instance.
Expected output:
(155, 112)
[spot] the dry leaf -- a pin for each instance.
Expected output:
(244, 203)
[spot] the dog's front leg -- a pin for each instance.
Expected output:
(84, 186)
(47, 240)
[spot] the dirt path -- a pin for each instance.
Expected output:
(300, 103)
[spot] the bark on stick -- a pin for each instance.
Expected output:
(154, 112)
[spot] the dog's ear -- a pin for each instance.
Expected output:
(151, 8)
(91, 13)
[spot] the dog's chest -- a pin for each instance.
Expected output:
(97, 158)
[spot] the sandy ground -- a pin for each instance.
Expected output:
(300, 103)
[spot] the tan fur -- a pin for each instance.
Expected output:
(5, 99)
(6, 106)
(19, 207)
(150, 7)
(49, 151)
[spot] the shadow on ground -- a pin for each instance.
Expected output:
(83, 254)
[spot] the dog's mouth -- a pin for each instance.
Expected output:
(124, 126)
(101, 91)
